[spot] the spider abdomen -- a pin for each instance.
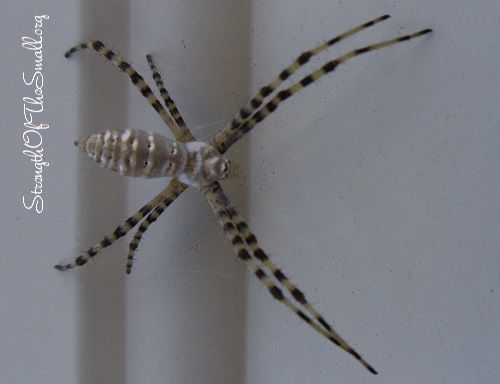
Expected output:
(136, 153)
(141, 154)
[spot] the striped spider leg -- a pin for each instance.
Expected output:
(250, 115)
(126, 152)
(247, 249)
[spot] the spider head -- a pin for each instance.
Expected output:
(204, 165)
(223, 168)
(215, 167)
(233, 170)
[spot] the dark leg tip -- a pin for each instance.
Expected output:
(69, 53)
(370, 368)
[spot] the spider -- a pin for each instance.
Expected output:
(202, 165)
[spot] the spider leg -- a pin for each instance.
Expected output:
(136, 79)
(169, 103)
(173, 189)
(177, 186)
(156, 206)
(176, 189)
(240, 236)
(300, 61)
(231, 134)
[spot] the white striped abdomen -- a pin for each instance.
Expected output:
(138, 153)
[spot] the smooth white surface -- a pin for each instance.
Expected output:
(377, 190)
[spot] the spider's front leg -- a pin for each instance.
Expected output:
(248, 250)
(251, 115)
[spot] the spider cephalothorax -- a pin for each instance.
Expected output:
(189, 162)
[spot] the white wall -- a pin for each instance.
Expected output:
(376, 190)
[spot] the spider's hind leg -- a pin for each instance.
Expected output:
(175, 188)
(170, 192)
(169, 102)
(136, 79)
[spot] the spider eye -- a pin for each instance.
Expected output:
(225, 168)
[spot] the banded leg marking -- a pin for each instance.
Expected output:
(169, 103)
(173, 188)
(177, 189)
(300, 61)
(296, 293)
(136, 79)
(229, 135)
(238, 233)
